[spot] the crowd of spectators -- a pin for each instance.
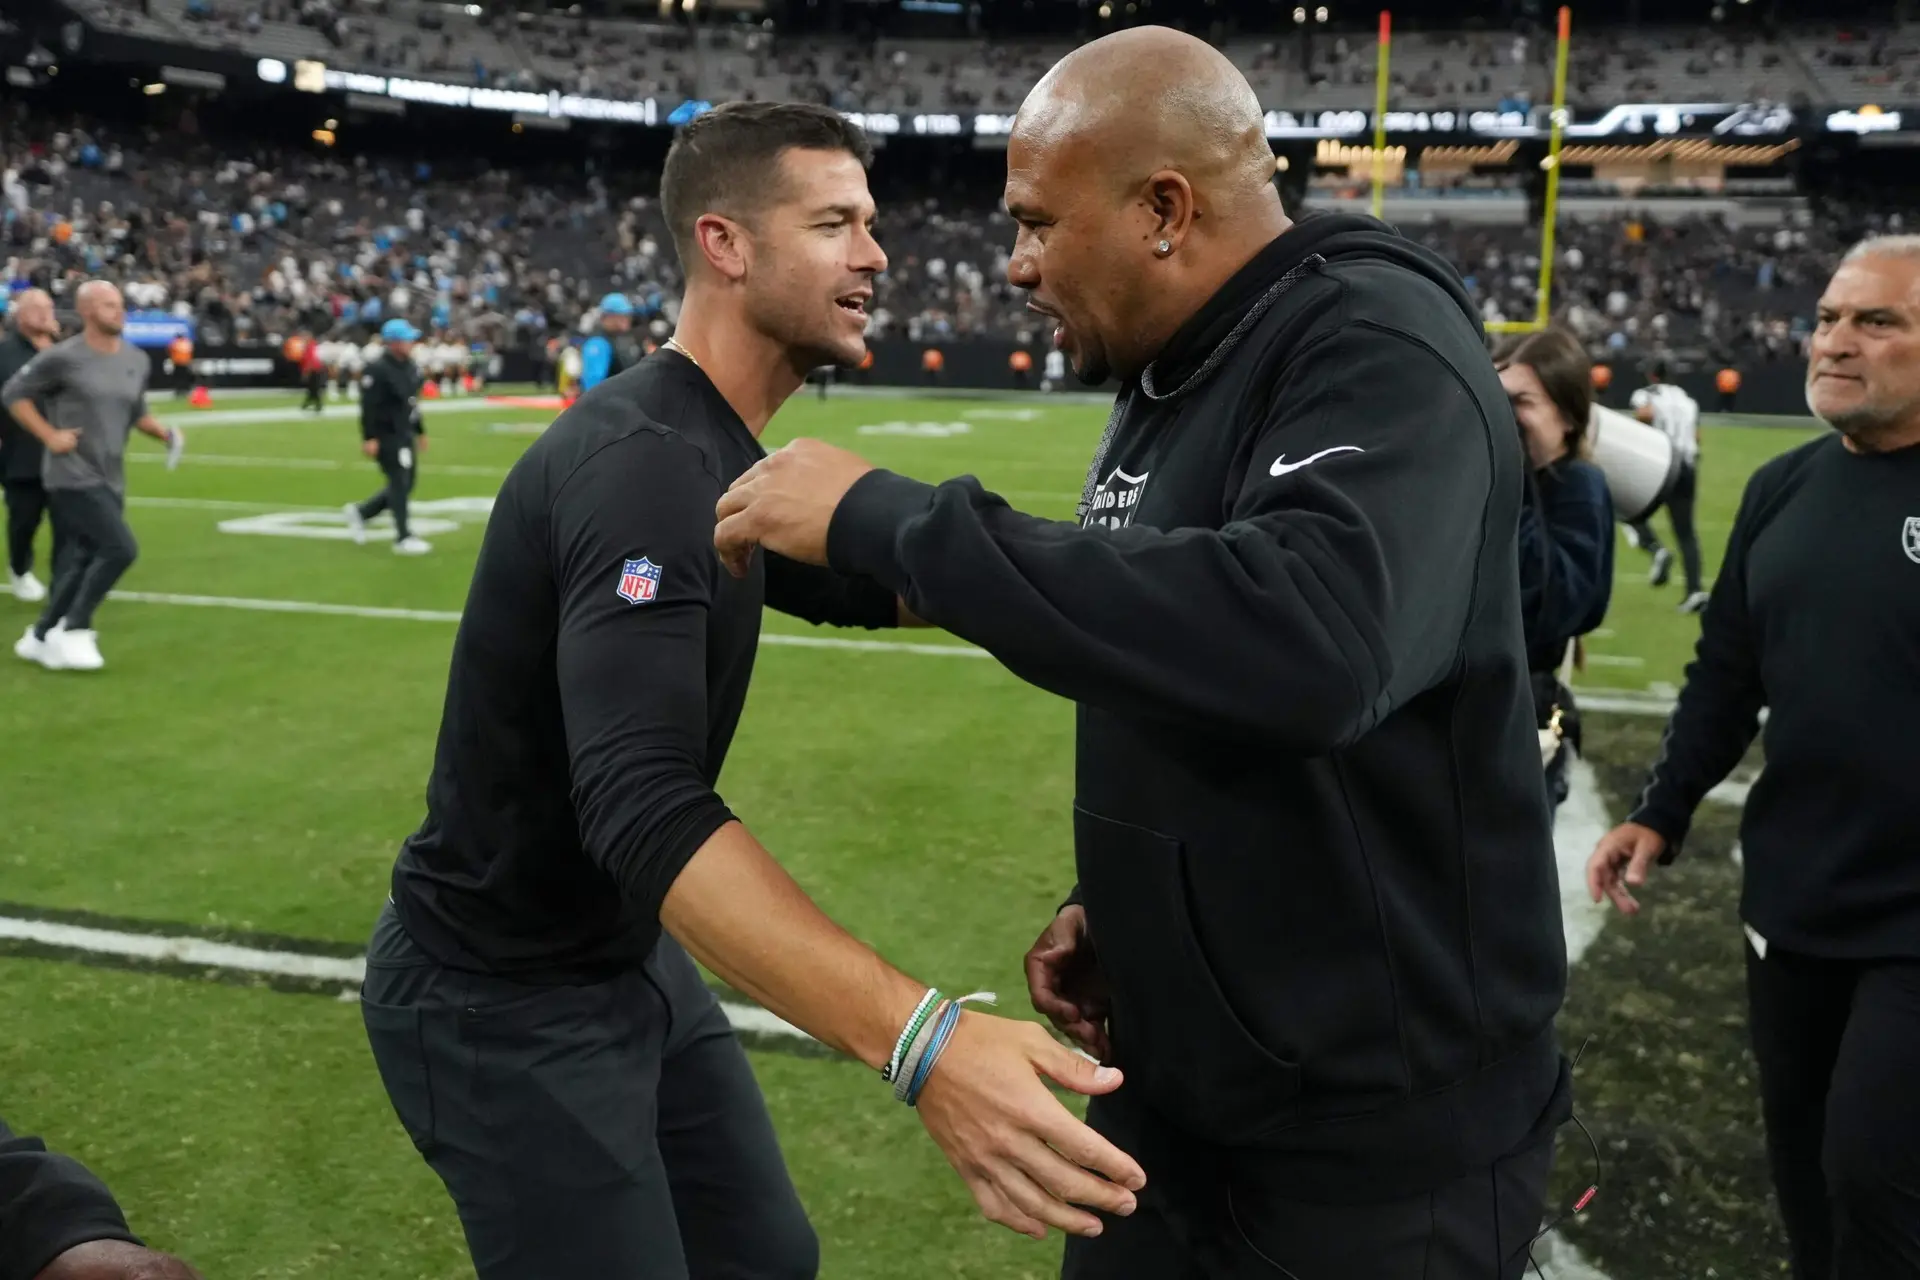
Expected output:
(256, 245)
(1292, 65)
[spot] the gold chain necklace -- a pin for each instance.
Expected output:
(673, 344)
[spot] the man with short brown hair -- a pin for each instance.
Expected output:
(531, 993)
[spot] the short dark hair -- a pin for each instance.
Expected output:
(1566, 375)
(1657, 370)
(723, 161)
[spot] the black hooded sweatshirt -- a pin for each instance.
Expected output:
(1313, 843)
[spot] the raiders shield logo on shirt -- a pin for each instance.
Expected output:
(1911, 538)
(1115, 501)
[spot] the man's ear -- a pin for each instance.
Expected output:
(725, 244)
(1169, 197)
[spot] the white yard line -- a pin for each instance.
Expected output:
(176, 414)
(348, 972)
(210, 504)
(252, 604)
(427, 464)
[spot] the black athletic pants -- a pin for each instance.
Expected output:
(1205, 1216)
(316, 392)
(399, 461)
(1679, 506)
(26, 504)
(609, 1132)
(1838, 1043)
(96, 548)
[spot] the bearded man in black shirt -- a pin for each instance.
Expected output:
(1816, 617)
(552, 1053)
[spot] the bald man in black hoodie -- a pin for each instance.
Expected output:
(1318, 920)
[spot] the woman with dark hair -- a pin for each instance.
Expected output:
(1566, 528)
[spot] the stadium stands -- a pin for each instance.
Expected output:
(256, 249)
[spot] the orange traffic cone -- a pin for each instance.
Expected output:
(430, 391)
(201, 398)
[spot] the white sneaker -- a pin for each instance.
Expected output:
(79, 651)
(356, 523)
(27, 588)
(1694, 603)
(28, 647)
(412, 547)
(53, 655)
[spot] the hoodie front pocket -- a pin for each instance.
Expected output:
(1180, 1043)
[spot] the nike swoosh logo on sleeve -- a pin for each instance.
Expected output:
(1281, 466)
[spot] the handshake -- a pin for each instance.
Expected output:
(976, 1080)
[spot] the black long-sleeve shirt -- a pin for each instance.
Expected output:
(1816, 617)
(596, 681)
(48, 1204)
(390, 400)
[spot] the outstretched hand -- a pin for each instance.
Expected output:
(785, 503)
(1029, 1163)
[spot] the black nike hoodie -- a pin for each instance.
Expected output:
(1313, 841)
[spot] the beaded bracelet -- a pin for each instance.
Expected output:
(917, 1051)
(909, 1031)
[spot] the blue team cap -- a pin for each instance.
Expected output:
(616, 304)
(398, 330)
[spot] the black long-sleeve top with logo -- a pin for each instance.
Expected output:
(390, 400)
(599, 671)
(1816, 617)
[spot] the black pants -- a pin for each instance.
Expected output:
(611, 1131)
(1679, 506)
(1205, 1216)
(26, 505)
(399, 462)
(1838, 1042)
(96, 548)
(316, 392)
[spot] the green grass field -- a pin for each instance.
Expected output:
(246, 769)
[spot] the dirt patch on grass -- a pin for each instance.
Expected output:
(1668, 1084)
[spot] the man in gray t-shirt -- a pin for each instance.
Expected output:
(94, 390)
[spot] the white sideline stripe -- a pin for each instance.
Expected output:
(287, 606)
(191, 459)
(1733, 792)
(875, 646)
(256, 605)
(197, 951)
(211, 504)
(346, 971)
(291, 413)
(1577, 827)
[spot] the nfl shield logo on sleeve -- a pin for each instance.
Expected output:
(639, 581)
(1911, 536)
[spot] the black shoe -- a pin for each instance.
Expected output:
(1662, 567)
